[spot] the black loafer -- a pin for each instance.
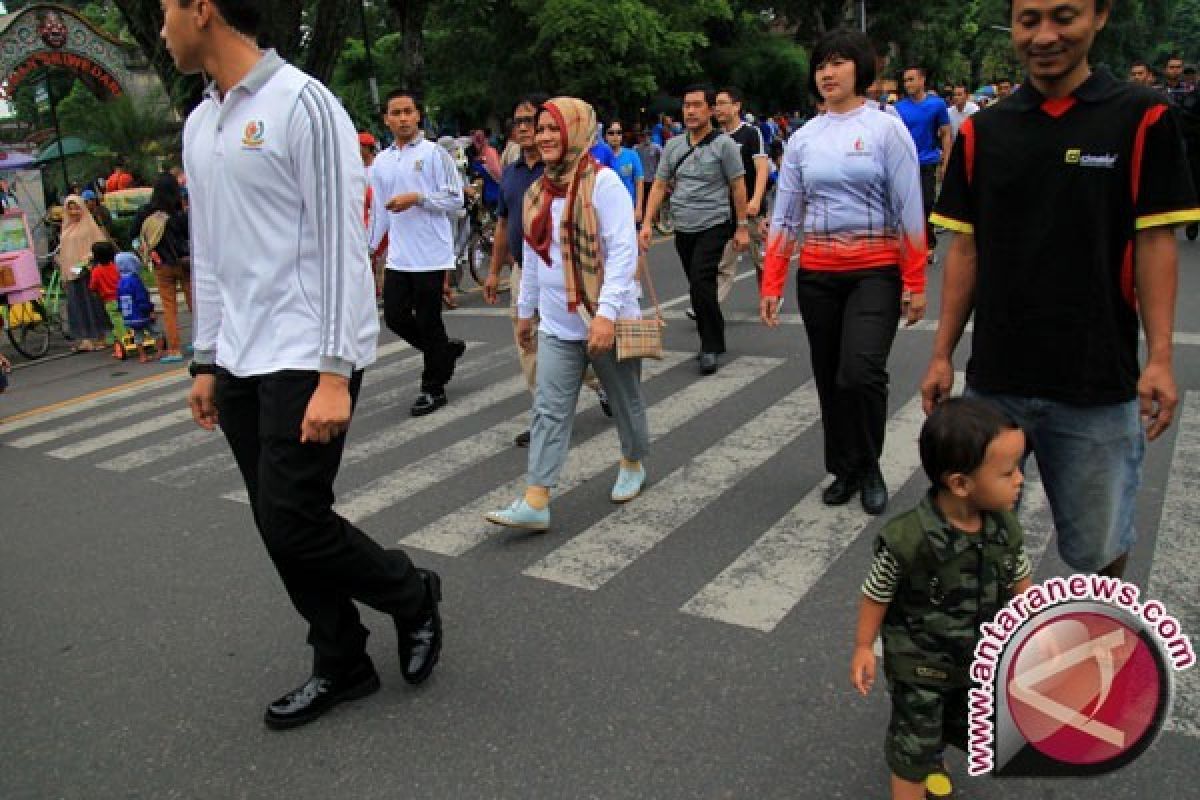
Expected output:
(840, 491)
(874, 493)
(427, 403)
(454, 351)
(304, 704)
(522, 439)
(708, 363)
(420, 645)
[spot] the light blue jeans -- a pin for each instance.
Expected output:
(560, 369)
(1090, 460)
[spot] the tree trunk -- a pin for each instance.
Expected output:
(331, 22)
(409, 18)
(144, 19)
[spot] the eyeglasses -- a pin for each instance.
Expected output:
(523, 121)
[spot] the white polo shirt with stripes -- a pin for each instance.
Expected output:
(279, 254)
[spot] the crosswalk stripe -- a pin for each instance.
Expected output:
(464, 529)
(125, 434)
(149, 455)
(767, 580)
(88, 405)
(388, 489)
(174, 397)
(1177, 559)
(190, 474)
(597, 555)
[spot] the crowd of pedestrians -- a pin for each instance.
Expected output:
(305, 207)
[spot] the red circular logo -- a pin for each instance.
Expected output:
(1084, 688)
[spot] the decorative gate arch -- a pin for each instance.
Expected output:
(46, 35)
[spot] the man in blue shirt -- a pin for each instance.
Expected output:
(602, 152)
(627, 164)
(928, 121)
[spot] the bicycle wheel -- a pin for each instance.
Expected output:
(665, 224)
(27, 329)
(480, 252)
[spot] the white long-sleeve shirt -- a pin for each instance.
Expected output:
(420, 239)
(542, 287)
(279, 255)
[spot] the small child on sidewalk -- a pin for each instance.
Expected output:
(137, 309)
(103, 283)
(940, 571)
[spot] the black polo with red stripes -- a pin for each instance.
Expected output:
(1054, 191)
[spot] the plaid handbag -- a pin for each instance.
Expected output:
(635, 338)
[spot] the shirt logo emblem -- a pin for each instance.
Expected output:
(253, 135)
(419, 165)
(859, 148)
(1072, 156)
(1099, 161)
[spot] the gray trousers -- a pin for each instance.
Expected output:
(560, 368)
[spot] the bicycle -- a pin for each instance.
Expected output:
(664, 223)
(30, 323)
(473, 253)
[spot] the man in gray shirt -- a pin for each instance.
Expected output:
(705, 170)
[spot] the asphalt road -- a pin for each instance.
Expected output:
(693, 644)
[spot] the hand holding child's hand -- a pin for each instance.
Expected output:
(862, 669)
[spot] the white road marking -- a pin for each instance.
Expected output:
(1177, 559)
(192, 473)
(157, 452)
(89, 405)
(391, 488)
(766, 581)
(456, 533)
(123, 434)
(174, 398)
(597, 555)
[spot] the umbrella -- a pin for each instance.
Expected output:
(16, 160)
(68, 145)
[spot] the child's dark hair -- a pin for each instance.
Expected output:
(103, 252)
(956, 435)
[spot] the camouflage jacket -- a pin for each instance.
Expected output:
(950, 583)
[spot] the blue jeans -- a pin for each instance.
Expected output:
(1090, 459)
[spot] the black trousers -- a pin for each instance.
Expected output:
(412, 309)
(928, 198)
(700, 254)
(850, 319)
(325, 562)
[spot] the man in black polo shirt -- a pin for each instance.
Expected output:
(728, 112)
(1058, 252)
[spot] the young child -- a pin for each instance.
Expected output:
(103, 283)
(137, 310)
(939, 571)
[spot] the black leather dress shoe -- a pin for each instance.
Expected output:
(427, 403)
(420, 645)
(840, 491)
(522, 439)
(708, 363)
(874, 493)
(304, 704)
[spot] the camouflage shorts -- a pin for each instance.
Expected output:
(923, 720)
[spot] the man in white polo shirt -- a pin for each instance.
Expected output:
(284, 326)
(415, 188)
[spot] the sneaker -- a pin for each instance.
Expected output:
(602, 396)
(521, 515)
(629, 484)
(170, 358)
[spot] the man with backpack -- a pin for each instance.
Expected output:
(705, 166)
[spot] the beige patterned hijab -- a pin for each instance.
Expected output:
(572, 177)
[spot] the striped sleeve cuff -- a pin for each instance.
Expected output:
(1184, 217)
(1024, 568)
(881, 582)
(949, 223)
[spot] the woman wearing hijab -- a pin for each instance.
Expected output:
(578, 222)
(85, 314)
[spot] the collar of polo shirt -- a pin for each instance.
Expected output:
(416, 140)
(255, 79)
(1098, 86)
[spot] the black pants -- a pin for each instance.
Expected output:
(412, 308)
(928, 198)
(850, 319)
(701, 254)
(324, 561)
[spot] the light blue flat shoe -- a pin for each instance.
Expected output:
(629, 484)
(521, 515)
